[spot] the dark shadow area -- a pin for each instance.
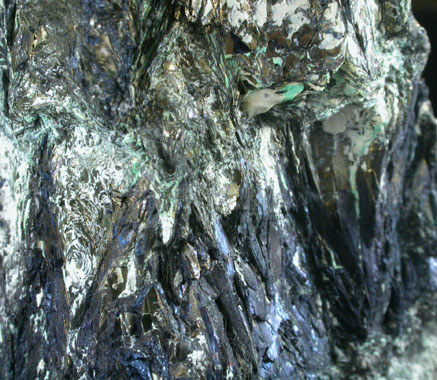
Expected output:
(425, 12)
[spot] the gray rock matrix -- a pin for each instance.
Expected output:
(216, 189)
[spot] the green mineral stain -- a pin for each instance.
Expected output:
(291, 91)
(135, 171)
(259, 83)
(146, 9)
(375, 133)
(277, 61)
(261, 50)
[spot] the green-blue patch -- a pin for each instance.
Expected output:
(277, 61)
(291, 91)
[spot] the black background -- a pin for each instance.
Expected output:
(425, 12)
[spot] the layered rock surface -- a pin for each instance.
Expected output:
(216, 190)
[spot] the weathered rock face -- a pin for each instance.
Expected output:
(216, 189)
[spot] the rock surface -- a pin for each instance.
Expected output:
(213, 189)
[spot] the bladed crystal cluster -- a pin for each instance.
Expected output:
(216, 189)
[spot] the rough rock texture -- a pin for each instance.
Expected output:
(213, 189)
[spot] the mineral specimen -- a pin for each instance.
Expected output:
(213, 189)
